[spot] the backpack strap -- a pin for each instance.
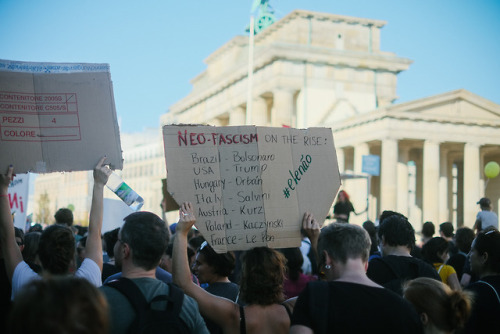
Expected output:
(130, 290)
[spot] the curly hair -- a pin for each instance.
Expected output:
(262, 276)
(396, 230)
(449, 309)
(56, 249)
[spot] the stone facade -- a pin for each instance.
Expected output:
(317, 69)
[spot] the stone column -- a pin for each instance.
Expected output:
(358, 187)
(472, 179)
(282, 108)
(259, 116)
(430, 191)
(444, 210)
(388, 174)
(402, 183)
(237, 116)
(340, 159)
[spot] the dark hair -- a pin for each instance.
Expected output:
(447, 229)
(464, 238)
(147, 236)
(396, 230)
(344, 241)
(35, 228)
(488, 241)
(294, 262)
(110, 238)
(446, 309)
(222, 264)
(196, 241)
(428, 229)
(262, 276)
(19, 233)
(56, 249)
(434, 247)
(31, 242)
(59, 305)
(370, 227)
(64, 216)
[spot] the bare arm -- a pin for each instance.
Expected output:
(93, 247)
(10, 251)
(299, 329)
(454, 283)
(222, 311)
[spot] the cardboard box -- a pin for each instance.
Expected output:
(251, 186)
(57, 117)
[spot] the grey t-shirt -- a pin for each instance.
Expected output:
(487, 218)
(122, 313)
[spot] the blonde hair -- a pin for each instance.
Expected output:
(446, 309)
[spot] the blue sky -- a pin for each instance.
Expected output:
(155, 47)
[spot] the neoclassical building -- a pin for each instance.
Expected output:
(318, 69)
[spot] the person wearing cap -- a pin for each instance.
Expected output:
(485, 217)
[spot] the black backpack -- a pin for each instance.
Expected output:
(149, 319)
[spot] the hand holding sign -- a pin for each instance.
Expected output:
(251, 185)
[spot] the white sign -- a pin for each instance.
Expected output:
(18, 199)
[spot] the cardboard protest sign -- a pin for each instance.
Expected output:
(18, 193)
(57, 117)
(251, 186)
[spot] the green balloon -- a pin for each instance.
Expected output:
(491, 170)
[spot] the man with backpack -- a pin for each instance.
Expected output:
(397, 238)
(138, 302)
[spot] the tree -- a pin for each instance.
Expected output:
(42, 216)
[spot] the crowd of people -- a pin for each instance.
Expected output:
(343, 278)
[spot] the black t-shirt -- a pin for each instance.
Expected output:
(392, 271)
(457, 261)
(354, 308)
(343, 208)
(486, 305)
(227, 290)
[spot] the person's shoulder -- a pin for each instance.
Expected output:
(163, 275)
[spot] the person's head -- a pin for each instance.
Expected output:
(294, 262)
(56, 249)
(59, 305)
(80, 249)
(438, 305)
(342, 242)
(395, 230)
(485, 203)
(19, 234)
(110, 238)
(64, 216)
(436, 250)
(142, 239)
(428, 230)
(262, 276)
(370, 227)
(30, 250)
(485, 253)
(446, 230)
(195, 242)
(343, 196)
(211, 267)
(35, 228)
(463, 239)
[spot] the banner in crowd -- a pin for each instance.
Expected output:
(251, 186)
(57, 117)
(18, 194)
